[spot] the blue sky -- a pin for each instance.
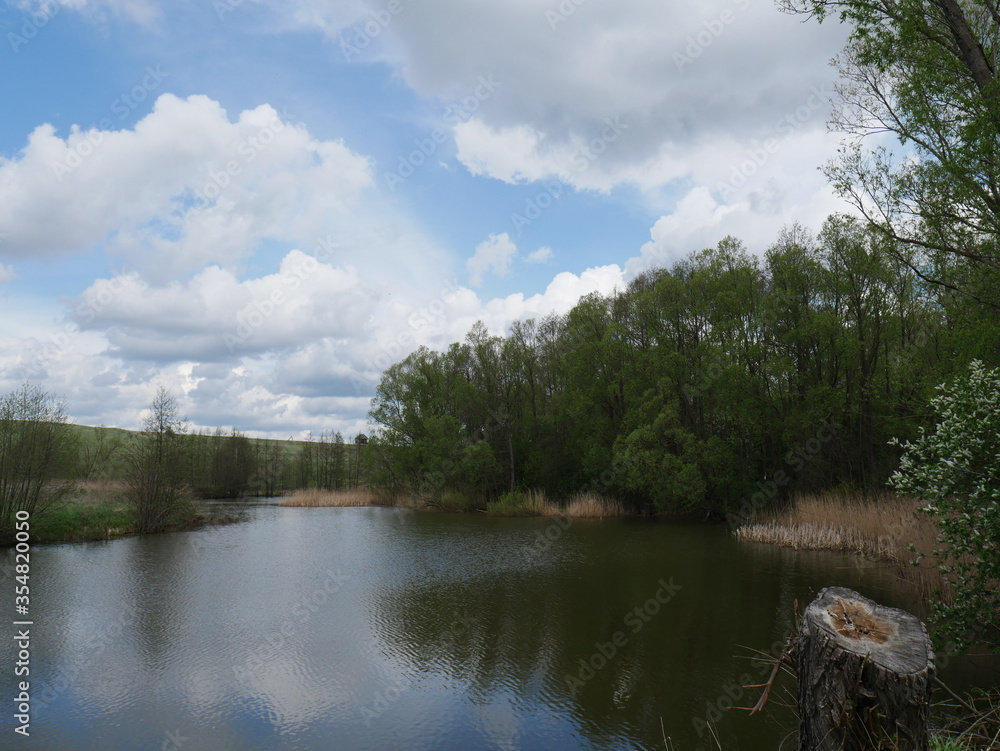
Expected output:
(248, 202)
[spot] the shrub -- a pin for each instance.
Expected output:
(956, 469)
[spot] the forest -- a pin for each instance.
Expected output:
(719, 385)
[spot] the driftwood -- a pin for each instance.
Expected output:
(865, 676)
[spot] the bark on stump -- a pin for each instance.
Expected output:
(865, 676)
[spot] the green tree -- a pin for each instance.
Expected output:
(233, 464)
(956, 469)
(156, 482)
(925, 72)
(35, 444)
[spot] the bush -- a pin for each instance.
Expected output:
(956, 470)
(520, 503)
(34, 445)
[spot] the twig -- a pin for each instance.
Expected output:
(955, 696)
(769, 684)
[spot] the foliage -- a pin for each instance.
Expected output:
(156, 482)
(520, 503)
(924, 72)
(35, 446)
(76, 521)
(691, 390)
(956, 468)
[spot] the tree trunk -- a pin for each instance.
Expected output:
(865, 676)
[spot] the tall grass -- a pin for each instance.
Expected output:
(592, 506)
(522, 503)
(534, 503)
(352, 497)
(95, 510)
(882, 525)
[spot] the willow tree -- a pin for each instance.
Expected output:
(156, 482)
(924, 71)
(35, 444)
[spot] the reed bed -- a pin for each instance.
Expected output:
(593, 506)
(337, 498)
(534, 503)
(883, 526)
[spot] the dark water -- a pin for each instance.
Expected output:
(382, 629)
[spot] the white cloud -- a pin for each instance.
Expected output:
(680, 75)
(699, 222)
(542, 255)
(143, 12)
(7, 274)
(184, 188)
(493, 255)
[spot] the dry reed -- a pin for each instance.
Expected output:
(590, 505)
(882, 526)
(317, 497)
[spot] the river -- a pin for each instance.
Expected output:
(367, 628)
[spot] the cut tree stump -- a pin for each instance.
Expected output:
(865, 676)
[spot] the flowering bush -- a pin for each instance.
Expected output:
(956, 469)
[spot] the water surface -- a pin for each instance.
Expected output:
(385, 629)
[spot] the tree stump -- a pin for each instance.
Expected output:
(865, 676)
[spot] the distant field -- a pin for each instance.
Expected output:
(87, 435)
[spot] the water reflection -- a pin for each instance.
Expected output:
(386, 629)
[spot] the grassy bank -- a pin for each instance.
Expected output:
(534, 503)
(518, 503)
(97, 510)
(317, 497)
(882, 526)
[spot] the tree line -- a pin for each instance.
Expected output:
(160, 467)
(725, 378)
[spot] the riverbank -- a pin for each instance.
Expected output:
(518, 503)
(881, 525)
(97, 510)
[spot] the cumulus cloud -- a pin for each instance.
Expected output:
(143, 12)
(494, 256)
(680, 75)
(7, 274)
(542, 255)
(186, 187)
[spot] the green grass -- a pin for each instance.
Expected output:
(454, 502)
(81, 520)
(946, 744)
(520, 503)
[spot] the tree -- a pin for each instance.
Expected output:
(925, 72)
(99, 455)
(956, 469)
(35, 444)
(233, 464)
(156, 475)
